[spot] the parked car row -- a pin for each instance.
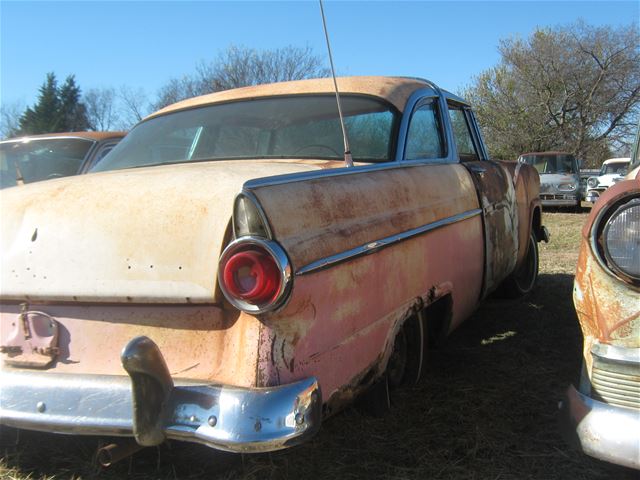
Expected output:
(232, 274)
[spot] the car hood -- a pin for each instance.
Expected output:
(138, 235)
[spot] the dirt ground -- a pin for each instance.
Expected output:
(487, 409)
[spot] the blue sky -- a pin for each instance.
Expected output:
(144, 43)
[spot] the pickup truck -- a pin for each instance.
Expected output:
(226, 276)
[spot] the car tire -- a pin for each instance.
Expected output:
(523, 280)
(404, 368)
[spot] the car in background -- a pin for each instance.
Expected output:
(35, 158)
(603, 414)
(612, 171)
(559, 178)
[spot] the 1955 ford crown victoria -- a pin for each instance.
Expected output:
(222, 277)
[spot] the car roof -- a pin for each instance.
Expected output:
(617, 160)
(395, 90)
(95, 136)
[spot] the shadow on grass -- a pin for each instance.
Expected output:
(487, 408)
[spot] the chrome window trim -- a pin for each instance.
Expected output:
(337, 172)
(376, 245)
(419, 103)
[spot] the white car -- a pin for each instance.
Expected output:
(612, 171)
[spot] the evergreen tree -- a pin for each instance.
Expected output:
(44, 117)
(73, 113)
(58, 109)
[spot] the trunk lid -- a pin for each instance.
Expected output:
(139, 235)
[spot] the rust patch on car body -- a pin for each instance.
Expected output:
(608, 307)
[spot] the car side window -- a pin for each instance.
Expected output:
(424, 137)
(462, 135)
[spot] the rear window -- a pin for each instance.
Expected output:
(302, 126)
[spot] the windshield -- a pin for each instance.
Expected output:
(302, 126)
(619, 168)
(40, 159)
(552, 163)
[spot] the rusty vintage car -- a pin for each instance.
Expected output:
(222, 277)
(603, 415)
(34, 158)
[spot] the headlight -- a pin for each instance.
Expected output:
(592, 182)
(621, 239)
(568, 186)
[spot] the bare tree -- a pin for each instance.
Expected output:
(102, 109)
(134, 106)
(10, 114)
(574, 88)
(240, 66)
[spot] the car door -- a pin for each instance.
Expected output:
(496, 195)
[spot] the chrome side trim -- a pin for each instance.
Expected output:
(219, 416)
(337, 172)
(384, 242)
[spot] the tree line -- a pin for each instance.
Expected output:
(574, 88)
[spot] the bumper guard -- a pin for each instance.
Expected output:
(151, 408)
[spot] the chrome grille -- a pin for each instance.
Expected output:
(615, 382)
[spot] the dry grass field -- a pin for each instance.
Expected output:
(487, 409)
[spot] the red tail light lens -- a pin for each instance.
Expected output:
(252, 276)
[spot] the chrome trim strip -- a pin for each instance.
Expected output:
(384, 242)
(219, 416)
(615, 353)
(337, 172)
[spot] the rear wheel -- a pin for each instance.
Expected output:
(523, 280)
(404, 368)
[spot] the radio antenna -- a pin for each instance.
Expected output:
(347, 151)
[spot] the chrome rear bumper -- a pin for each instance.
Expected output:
(219, 416)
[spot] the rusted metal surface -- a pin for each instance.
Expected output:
(608, 308)
(144, 235)
(348, 315)
(198, 342)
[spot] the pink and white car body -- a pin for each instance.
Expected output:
(147, 302)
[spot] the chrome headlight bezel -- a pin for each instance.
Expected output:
(592, 182)
(601, 244)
